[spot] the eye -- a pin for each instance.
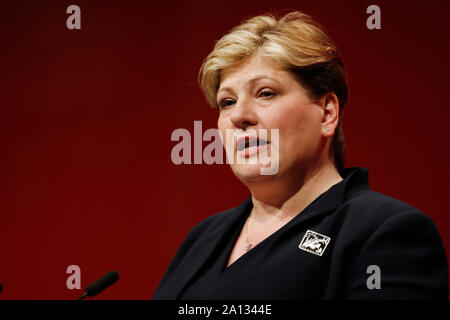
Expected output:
(266, 93)
(226, 102)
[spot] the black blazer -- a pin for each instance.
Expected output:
(328, 251)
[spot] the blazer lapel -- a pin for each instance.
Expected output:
(355, 179)
(202, 250)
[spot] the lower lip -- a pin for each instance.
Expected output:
(248, 152)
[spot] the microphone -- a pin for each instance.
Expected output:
(100, 284)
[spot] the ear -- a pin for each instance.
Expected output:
(330, 118)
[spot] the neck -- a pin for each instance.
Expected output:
(284, 197)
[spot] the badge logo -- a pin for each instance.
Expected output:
(314, 242)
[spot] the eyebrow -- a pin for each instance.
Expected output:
(251, 81)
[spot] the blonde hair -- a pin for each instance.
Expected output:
(298, 44)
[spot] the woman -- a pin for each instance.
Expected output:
(312, 229)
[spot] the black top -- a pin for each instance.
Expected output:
(328, 251)
(216, 280)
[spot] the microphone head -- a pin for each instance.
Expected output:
(102, 283)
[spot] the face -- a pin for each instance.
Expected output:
(259, 94)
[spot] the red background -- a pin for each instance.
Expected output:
(86, 176)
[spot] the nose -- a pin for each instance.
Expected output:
(243, 114)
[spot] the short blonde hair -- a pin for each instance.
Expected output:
(298, 44)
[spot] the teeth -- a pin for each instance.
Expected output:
(250, 142)
(262, 142)
(241, 146)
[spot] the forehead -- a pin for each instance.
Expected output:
(255, 66)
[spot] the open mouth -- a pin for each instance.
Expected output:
(250, 143)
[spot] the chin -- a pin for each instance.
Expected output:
(250, 173)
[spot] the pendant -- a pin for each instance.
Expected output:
(248, 247)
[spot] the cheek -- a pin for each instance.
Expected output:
(299, 128)
(290, 121)
(223, 124)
